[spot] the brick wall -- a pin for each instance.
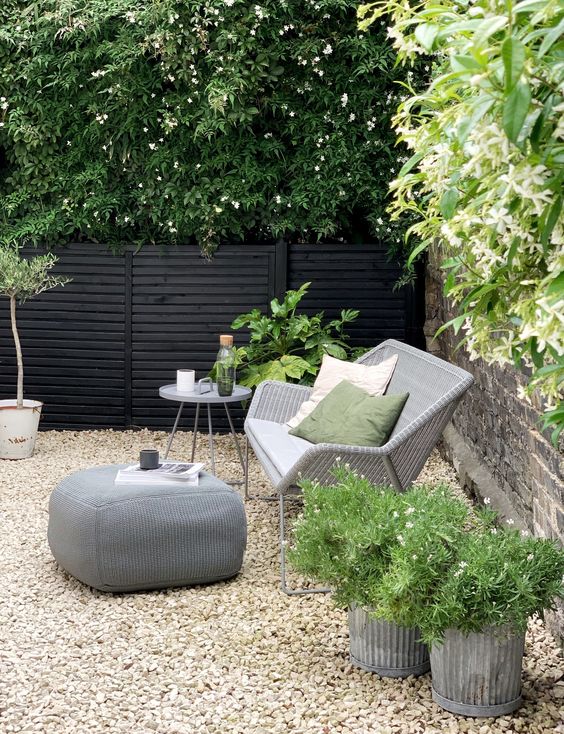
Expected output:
(494, 440)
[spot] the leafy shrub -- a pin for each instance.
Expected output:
(422, 559)
(485, 179)
(500, 578)
(287, 346)
(160, 121)
(370, 543)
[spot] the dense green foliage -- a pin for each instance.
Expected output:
(500, 578)
(22, 278)
(422, 559)
(161, 120)
(485, 179)
(364, 540)
(288, 346)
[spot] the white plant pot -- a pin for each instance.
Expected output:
(18, 428)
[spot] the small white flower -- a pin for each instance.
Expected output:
(140, 185)
(236, 204)
(510, 521)
(409, 525)
(344, 99)
(530, 557)
(328, 49)
(487, 501)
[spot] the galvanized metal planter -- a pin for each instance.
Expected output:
(385, 648)
(478, 674)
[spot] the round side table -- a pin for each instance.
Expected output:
(169, 392)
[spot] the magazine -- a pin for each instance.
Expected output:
(169, 471)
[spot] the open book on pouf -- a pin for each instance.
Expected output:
(169, 471)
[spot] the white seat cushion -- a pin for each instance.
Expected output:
(282, 449)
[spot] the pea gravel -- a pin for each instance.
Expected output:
(233, 657)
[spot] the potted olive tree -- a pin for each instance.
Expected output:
(351, 535)
(21, 279)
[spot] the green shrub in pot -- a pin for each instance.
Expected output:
(500, 579)
(474, 612)
(353, 534)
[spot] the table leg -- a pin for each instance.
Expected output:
(169, 444)
(195, 432)
(210, 434)
(235, 439)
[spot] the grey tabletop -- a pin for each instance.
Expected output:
(169, 392)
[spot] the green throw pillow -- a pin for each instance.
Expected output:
(349, 415)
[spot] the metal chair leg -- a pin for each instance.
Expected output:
(283, 585)
(263, 498)
(246, 479)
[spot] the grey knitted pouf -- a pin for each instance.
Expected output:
(129, 538)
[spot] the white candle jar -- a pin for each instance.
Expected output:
(185, 380)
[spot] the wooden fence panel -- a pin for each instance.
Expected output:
(97, 350)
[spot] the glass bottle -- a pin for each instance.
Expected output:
(225, 366)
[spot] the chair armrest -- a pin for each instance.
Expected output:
(277, 401)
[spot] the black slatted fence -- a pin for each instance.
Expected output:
(97, 350)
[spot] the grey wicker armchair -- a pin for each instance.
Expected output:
(435, 388)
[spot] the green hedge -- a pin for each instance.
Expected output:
(161, 121)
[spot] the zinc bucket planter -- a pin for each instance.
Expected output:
(385, 648)
(18, 428)
(478, 674)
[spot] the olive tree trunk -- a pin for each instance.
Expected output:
(19, 393)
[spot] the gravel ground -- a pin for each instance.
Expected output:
(233, 657)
